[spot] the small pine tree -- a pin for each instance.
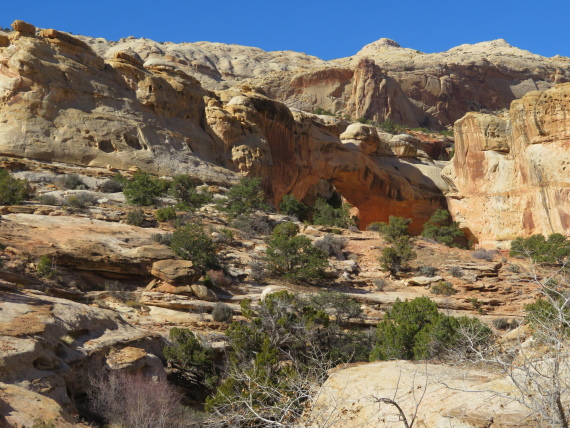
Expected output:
(293, 256)
(12, 190)
(244, 198)
(443, 229)
(291, 206)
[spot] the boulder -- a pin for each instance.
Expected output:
(453, 397)
(23, 27)
(176, 272)
(132, 359)
(365, 138)
(204, 293)
(423, 280)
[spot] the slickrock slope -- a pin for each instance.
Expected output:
(382, 81)
(348, 397)
(509, 174)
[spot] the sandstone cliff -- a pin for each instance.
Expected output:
(509, 174)
(382, 81)
(60, 101)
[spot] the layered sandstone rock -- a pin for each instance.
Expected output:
(509, 174)
(382, 81)
(51, 346)
(60, 101)
(441, 395)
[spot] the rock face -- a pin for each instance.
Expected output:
(60, 101)
(382, 81)
(509, 175)
(51, 346)
(348, 397)
(176, 271)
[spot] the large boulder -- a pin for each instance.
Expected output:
(176, 272)
(204, 293)
(442, 395)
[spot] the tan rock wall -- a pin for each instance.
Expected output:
(510, 176)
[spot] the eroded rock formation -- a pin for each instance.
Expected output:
(382, 81)
(509, 174)
(60, 101)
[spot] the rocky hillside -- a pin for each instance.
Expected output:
(382, 81)
(111, 292)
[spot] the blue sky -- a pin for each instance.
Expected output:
(328, 29)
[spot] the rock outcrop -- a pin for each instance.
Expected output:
(51, 346)
(60, 101)
(382, 81)
(509, 174)
(444, 397)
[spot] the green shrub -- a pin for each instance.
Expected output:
(554, 250)
(46, 267)
(183, 189)
(443, 288)
(380, 284)
(143, 189)
(165, 239)
(456, 271)
(244, 198)
(397, 256)
(71, 181)
(253, 225)
(165, 214)
(337, 305)
(477, 304)
(282, 324)
(395, 229)
(391, 127)
(483, 254)
(48, 200)
(13, 191)
(136, 217)
(191, 360)
(413, 330)
(81, 200)
(325, 214)
(441, 228)
(191, 243)
(292, 256)
(222, 312)
(291, 206)
(374, 226)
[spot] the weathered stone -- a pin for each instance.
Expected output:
(423, 280)
(176, 272)
(132, 359)
(23, 27)
(509, 174)
(204, 293)
(449, 399)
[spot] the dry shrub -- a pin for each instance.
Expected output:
(136, 401)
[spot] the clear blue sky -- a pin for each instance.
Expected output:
(328, 29)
